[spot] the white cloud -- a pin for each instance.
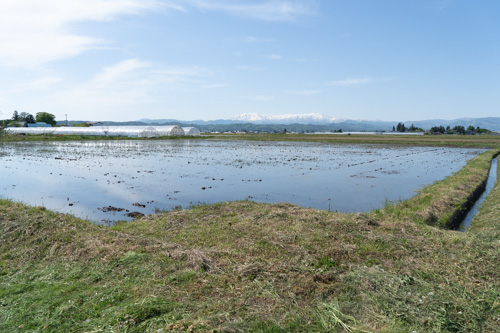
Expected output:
(34, 32)
(271, 10)
(350, 82)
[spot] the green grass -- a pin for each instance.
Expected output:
(244, 266)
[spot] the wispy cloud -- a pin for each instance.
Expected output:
(350, 82)
(274, 57)
(124, 85)
(120, 72)
(270, 10)
(144, 76)
(41, 83)
(34, 32)
(262, 98)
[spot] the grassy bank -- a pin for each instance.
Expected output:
(244, 266)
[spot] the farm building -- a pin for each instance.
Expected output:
(126, 131)
(38, 124)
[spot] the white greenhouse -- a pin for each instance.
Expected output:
(126, 131)
(191, 131)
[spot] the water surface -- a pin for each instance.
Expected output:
(84, 178)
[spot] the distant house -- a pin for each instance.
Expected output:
(93, 123)
(39, 124)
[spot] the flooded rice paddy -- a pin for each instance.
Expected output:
(118, 180)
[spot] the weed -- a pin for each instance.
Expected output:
(325, 262)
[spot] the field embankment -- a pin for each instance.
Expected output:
(243, 266)
(483, 141)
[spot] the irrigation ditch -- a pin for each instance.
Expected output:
(463, 216)
(479, 196)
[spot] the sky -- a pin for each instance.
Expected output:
(124, 60)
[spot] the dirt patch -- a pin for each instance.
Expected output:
(112, 209)
(135, 214)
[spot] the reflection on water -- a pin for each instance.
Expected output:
(85, 178)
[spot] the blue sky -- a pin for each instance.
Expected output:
(124, 60)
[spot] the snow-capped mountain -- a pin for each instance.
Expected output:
(308, 118)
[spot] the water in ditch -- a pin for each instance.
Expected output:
(492, 179)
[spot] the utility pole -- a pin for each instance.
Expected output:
(66, 119)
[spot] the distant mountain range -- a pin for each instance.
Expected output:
(257, 118)
(318, 122)
(309, 118)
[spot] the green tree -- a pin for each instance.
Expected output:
(15, 116)
(46, 117)
(459, 130)
(30, 119)
(27, 117)
(438, 129)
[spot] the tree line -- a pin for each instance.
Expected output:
(18, 118)
(459, 130)
(402, 128)
(442, 130)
